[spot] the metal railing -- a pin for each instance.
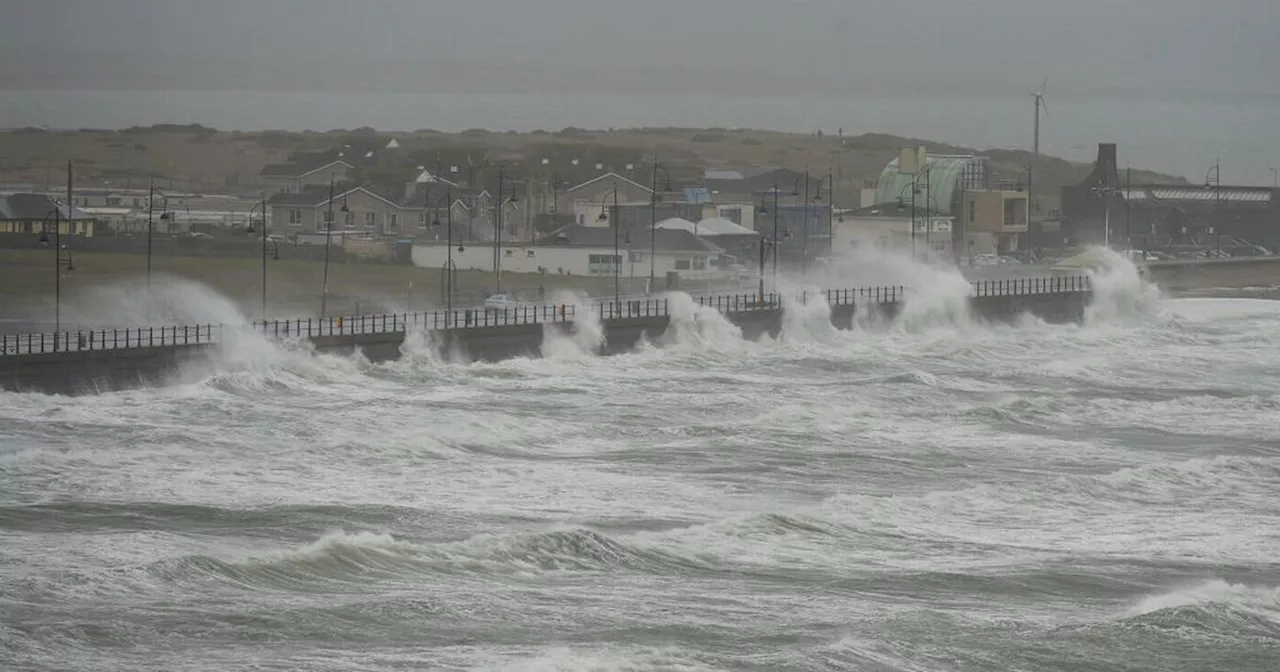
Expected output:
(475, 318)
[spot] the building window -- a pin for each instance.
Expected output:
(370, 220)
(295, 217)
(422, 221)
(602, 264)
(528, 253)
(349, 219)
(699, 263)
(393, 222)
(327, 217)
(635, 257)
(682, 264)
(732, 214)
(508, 253)
(973, 211)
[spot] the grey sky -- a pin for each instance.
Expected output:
(1141, 48)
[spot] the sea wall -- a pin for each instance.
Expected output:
(92, 371)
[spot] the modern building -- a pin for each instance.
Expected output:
(939, 187)
(33, 214)
(1182, 219)
(995, 220)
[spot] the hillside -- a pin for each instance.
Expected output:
(206, 160)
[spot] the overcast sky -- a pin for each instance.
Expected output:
(1141, 48)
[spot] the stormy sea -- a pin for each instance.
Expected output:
(938, 493)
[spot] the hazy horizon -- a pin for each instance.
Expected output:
(1138, 50)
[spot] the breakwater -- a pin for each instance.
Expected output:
(93, 361)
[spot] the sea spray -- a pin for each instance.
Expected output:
(806, 316)
(583, 333)
(1120, 292)
(695, 326)
(938, 298)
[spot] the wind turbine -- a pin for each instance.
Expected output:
(1038, 95)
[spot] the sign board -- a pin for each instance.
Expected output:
(911, 160)
(936, 225)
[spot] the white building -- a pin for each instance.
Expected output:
(585, 251)
(887, 227)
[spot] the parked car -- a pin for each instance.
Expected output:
(500, 302)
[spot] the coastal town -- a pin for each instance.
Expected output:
(548, 214)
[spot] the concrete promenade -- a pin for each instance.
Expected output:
(90, 361)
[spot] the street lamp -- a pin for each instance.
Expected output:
(165, 216)
(1275, 177)
(275, 249)
(617, 223)
(58, 263)
(328, 242)
(817, 198)
(497, 223)
(1216, 183)
(653, 217)
(450, 270)
(901, 201)
(764, 210)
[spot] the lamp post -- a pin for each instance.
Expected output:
(449, 270)
(912, 186)
(617, 259)
(1216, 183)
(58, 263)
(164, 216)
(274, 246)
(653, 218)
(497, 227)
(1275, 177)
(328, 242)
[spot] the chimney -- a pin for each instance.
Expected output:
(1105, 173)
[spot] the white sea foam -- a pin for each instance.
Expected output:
(694, 326)
(1260, 600)
(584, 338)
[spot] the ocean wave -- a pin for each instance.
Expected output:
(340, 556)
(1214, 606)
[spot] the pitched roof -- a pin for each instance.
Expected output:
(34, 207)
(295, 169)
(611, 176)
(666, 240)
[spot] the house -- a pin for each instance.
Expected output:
(353, 209)
(738, 242)
(738, 208)
(293, 177)
(887, 228)
(34, 214)
(755, 181)
(587, 199)
(586, 251)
